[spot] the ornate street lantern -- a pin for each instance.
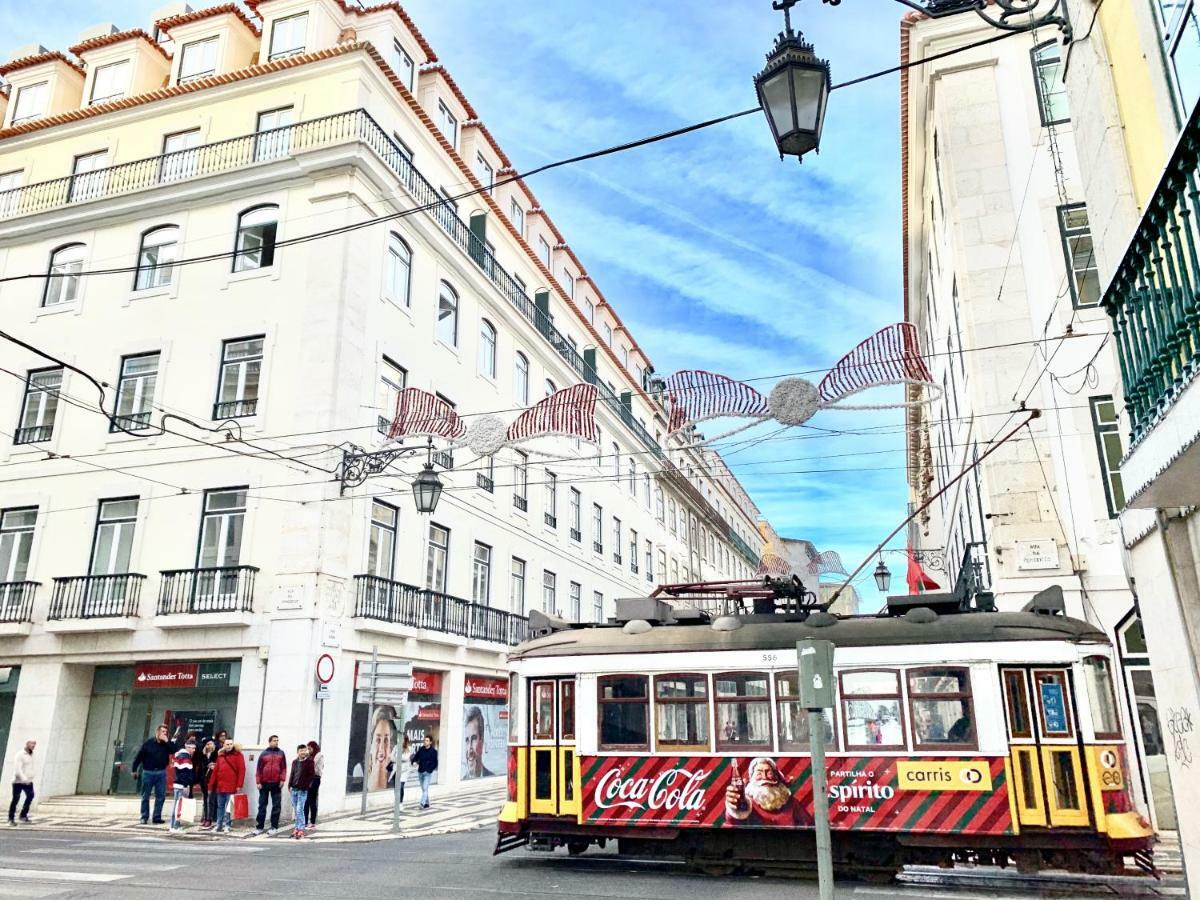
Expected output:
(793, 90)
(883, 576)
(427, 489)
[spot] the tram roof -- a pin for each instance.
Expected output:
(768, 632)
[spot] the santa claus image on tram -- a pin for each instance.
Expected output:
(762, 798)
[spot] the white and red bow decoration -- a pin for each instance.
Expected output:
(570, 412)
(889, 356)
(827, 562)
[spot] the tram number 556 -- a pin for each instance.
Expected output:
(770, 658)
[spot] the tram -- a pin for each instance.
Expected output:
(960, 735)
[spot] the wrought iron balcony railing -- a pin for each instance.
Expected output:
(748, 553)
(132, 422)
(206, 590)
(96, 596)
(444, 458)
(576, 535)
(234, 409)
(405, 604)
(16, 600)
(1154, 296)
(550, 520)
(484, 483)
(33, 434)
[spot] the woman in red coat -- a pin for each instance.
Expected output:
(226, 779)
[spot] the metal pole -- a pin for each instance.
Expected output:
(816, 733)
(370, 716)
(397, 785)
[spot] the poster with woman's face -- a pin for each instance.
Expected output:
(383, 731)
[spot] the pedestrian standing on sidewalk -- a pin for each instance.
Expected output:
(202, 770)
(426, 760)
(22, 783)
(301, 779)
(310, 806)
(185, 777)
(152, 761)
(226, 779)
(269, 775)
(401, 767)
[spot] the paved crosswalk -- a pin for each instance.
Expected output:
(57, 866)
(455, 812)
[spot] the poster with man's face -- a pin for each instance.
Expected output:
(485, 726)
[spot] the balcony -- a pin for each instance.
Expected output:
(520, 502)
(598, 547)
(550, 520)
(16, 606)
(203, 597)
(617, 558)
(484, 483)
(234, 409)
(33, 434)
(95, 602)
(133, 422)
(443, 458)
(633, 567)
(383, 600)
(1154, 302)
(576, 535)
(747, 552)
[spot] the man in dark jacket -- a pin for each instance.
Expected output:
(269, 775)
(304, 772)
(152, 761)
(426, 760)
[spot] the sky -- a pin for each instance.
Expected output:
(716, 254)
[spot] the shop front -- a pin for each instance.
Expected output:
(10, 676)
(193, 699)
(419, 717)
(485, 726)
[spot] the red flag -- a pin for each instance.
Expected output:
(917, 578)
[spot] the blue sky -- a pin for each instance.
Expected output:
(715, 253)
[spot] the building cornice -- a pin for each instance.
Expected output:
(107, 40)
(233, 9)
(28, 62)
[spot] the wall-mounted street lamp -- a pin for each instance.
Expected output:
(427, 489)
(358, 464)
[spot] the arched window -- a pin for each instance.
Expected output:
(255, 247)
(156, 258)
(397, 278)
(521, 380)
(550, 387)
(487, 349)
(447, 319)
(62, 278)
(1048, 82)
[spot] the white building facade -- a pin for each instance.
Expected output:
(175, 545)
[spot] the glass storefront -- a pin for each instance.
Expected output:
(9, 677)
(193, 699)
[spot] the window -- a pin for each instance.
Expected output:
(567, 280)
(659, 507)
(405, 151)
(392, 380)
(549, 591)
(1048, 82)
(575, 513)
(487, 349)
(646, 489)
(287, 36)
(1179, 26)
(485, 478)
(616, 540)
(575, 601)
(31, 101)
(438, 557)
(616, 459)
(16, 541)
(1108, 444)
(597, 528)
(112, 543)
(520, 480)
(625, 356)
(608, 334)
(597, 606)
(633, 550)
(273, 135)
(793, 717)
(381, 548)
(624, 718)
(447, 320)
(871, 712)
(672, 516)
(681, 712)
(551, 388)
(221, 527)
(1048, 684)
(397, 278)
(516, 215)
(256, 231)
(648, 559)
(484, 172)
(544, 251)
(1103, 698)
(179, 156)
(939, 699)
(1017, 701)
(448, 124)
(156, 258)
(110, 82)
(632, 470)
(9, 195)
(402, 64)
(662, 563)
(241, 370)
(39, 407)
(1082, 274)
(521, 380)
(551, 513)
(88, 176)
(743, 710)
(199, 60)
(516, 587)
(481, 574)
(589, 309)
(135, 392)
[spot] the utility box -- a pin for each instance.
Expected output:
(816, 673)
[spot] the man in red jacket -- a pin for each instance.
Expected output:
(270, 774)
(226, 778)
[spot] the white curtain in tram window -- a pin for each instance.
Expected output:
(180, 156)
(112, 548)
(274, 138)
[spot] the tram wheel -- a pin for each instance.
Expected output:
(577, 848)
(716, 869)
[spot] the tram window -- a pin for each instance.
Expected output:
(942, 714)
(871, 709)
(1062, 779)
(1019, 722)
(743, 710)
(566, 710)
(513, 693)
(543, 710)
(1054, 703)
(623, 706)
(681, 711)
(793, 718)
(1104, 704)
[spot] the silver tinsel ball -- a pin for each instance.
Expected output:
(793, 401)
(486, 435)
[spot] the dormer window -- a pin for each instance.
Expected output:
(402, 64)
(31, 101)
(110, 82)
(483, 171)
(287, 36)
(448, 124)
(517, 216)
(199, 60)
(544, 251)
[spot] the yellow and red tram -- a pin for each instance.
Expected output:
(958, 736)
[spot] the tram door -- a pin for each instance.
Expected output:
(553, 767)
(1044, 744)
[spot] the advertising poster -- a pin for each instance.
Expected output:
(874, 793)
(423, 712)
(192, 723)
(485, 726)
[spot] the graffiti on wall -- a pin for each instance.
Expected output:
(1179, 725)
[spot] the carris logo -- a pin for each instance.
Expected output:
(971, 776)
(672, 789)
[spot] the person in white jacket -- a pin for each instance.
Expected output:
(401, 766)
(22, 783)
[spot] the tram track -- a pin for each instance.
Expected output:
(1001, 884)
